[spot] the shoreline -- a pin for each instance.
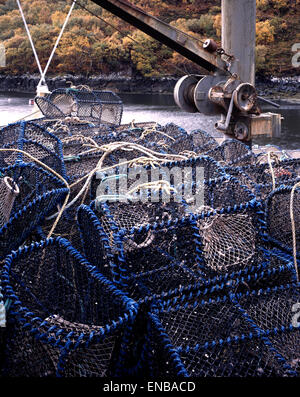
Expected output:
(287, 88)
(27, 84)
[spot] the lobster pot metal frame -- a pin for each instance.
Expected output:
(100, 107)
(145, 243)
(206, 332)
(64, 319)
(259, 180)
(137, 257)
(277, 226)
(142, 237)
(232, 153)
(39, 193)
(34, 140)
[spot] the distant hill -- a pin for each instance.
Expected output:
(90, 46)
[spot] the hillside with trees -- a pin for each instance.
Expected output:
(92, 45)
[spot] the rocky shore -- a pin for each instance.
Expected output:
(114, 82)
(123, 84)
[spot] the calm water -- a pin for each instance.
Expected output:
(162, 109)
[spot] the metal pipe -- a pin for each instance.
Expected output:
(224, 124)
(238, 36)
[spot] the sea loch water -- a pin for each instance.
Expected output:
(162, 109)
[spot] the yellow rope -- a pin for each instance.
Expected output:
(156, 185)
(163, 144)
(152, 159)
(272, 155)
(89, 176)
(189, 153)
(144, 161)
(107, 148)
(81, 139)
(59, 214)
(140, 160)
(293, 228)
(150, 130)
(77, 120)
(134, 146)
(130, 162)
(119, 145)
(58, 125)
(82, 87)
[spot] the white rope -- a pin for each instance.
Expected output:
(56, 44)
(152, 158)
(31, 42)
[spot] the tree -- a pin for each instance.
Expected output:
(74, 54)
(280, 5)
(264, 32)
(147, 54)
(90, 45)
(263, 4)
(218, 25)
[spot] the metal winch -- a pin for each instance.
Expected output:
(214, 95)
(228, 88)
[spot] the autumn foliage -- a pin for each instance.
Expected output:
(91, 46)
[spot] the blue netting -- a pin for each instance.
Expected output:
(207, 333)
(165, 139)
(233, 153)
(143, 246)
(269, 268)
(259, 177)
(134, 215)
(172, 139)
(203, 142)
(195, 281)
(65, 318)
(277, 229)
(34, 140)
(40, 192)
(2, 327)
(150, 252)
